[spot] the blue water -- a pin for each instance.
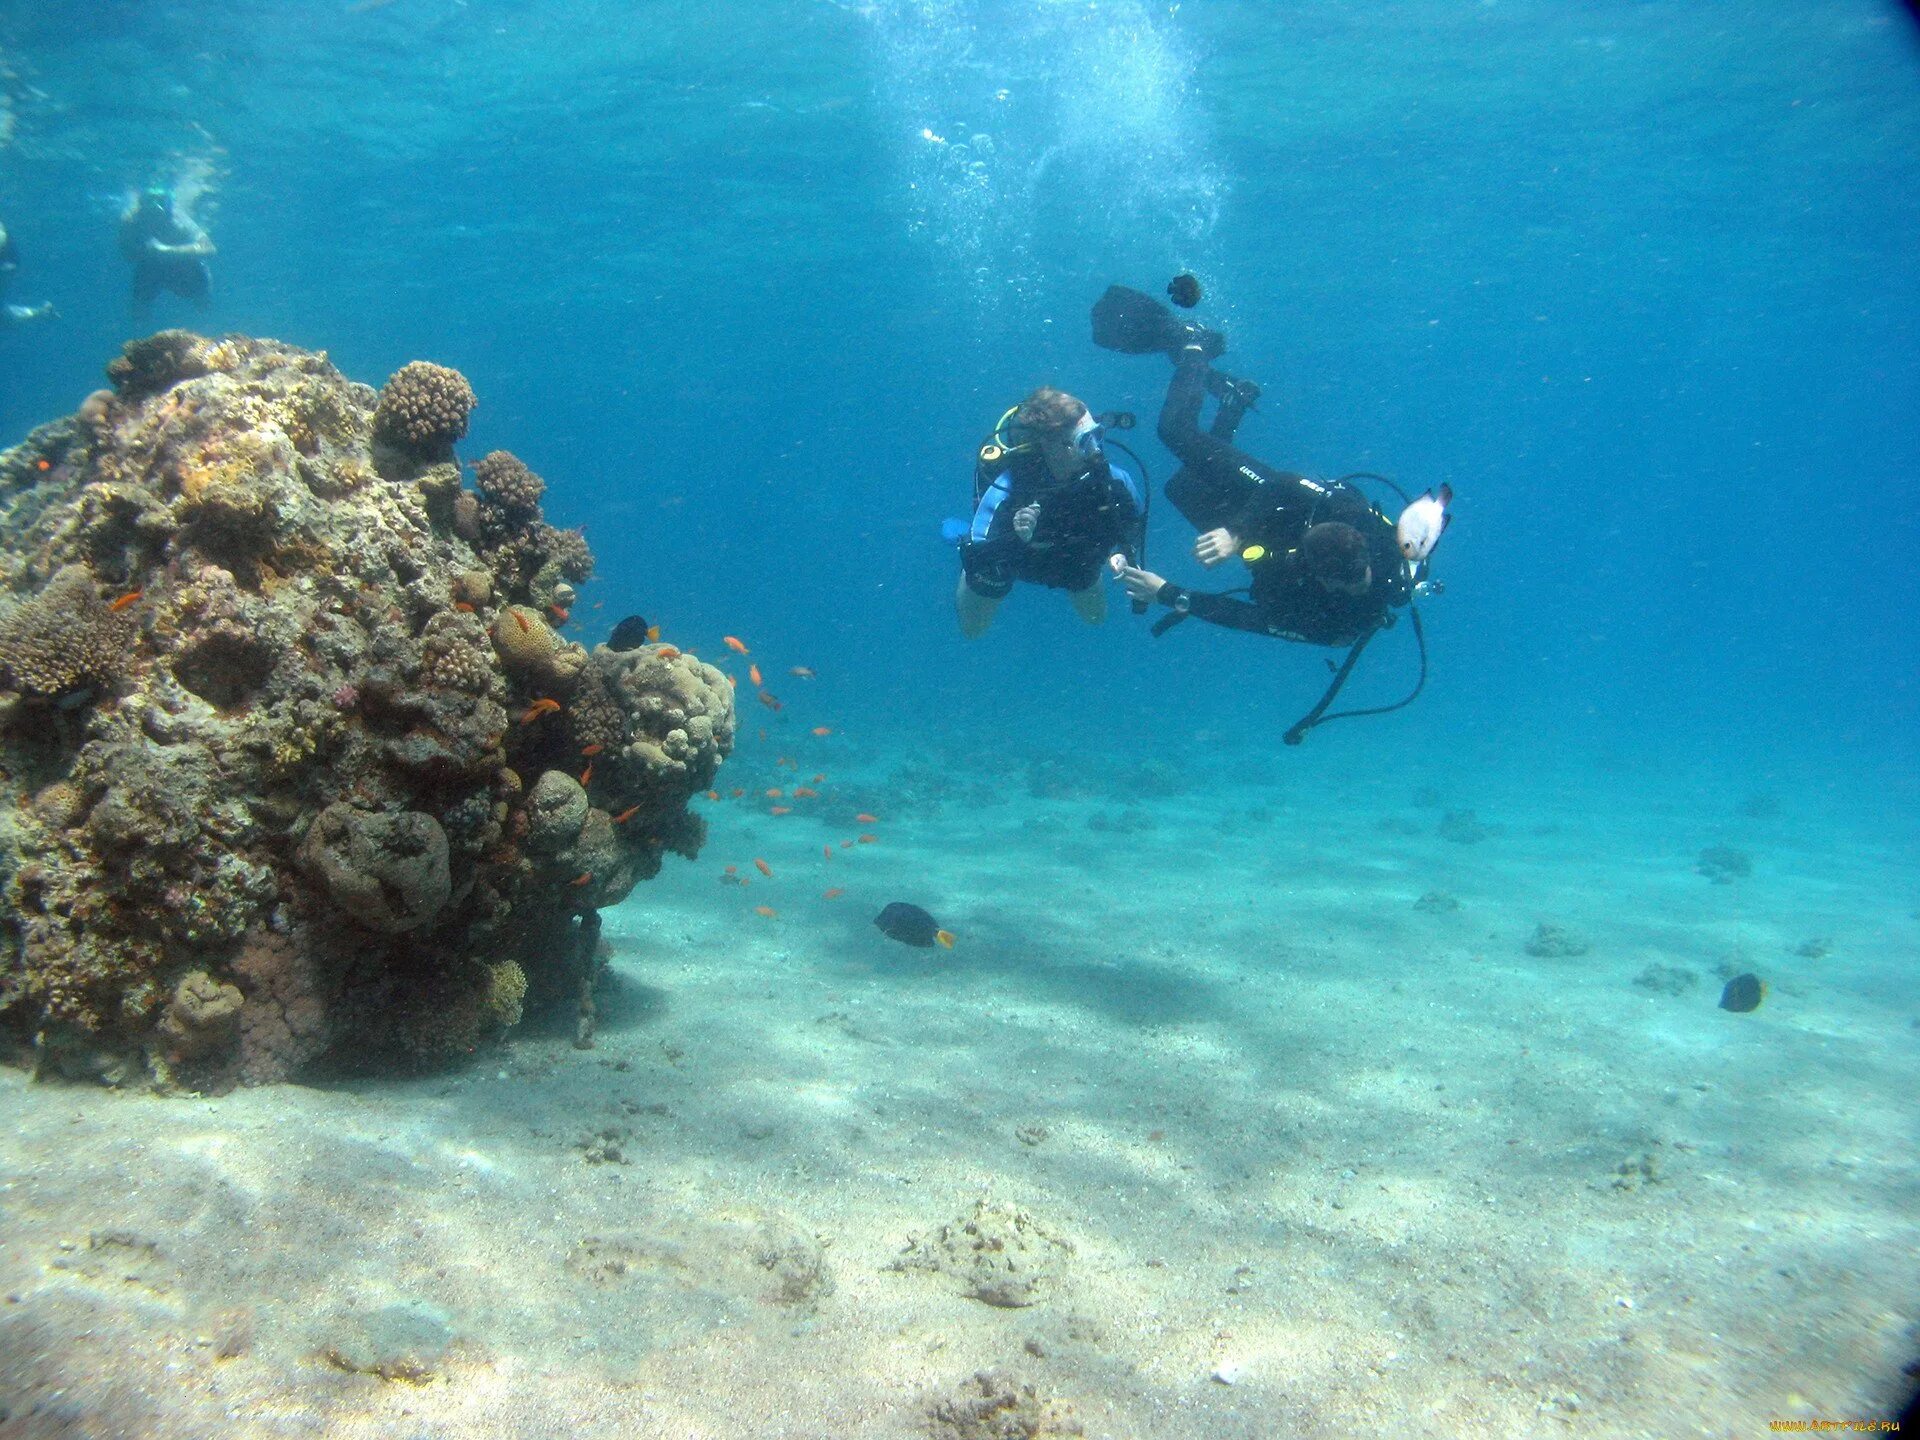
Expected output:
(1638, 280)
(748, 281)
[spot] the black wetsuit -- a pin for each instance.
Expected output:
(1221, 487)
(1097, 513)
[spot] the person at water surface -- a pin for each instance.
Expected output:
(167, 248)
(9, 265)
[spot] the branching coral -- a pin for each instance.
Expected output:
(503, 480)
(423, 409)
(63, 639)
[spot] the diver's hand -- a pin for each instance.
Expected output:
(1140, 584)
(1216, 545)
(1025, 520)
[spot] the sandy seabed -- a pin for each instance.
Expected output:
(1273, 1148)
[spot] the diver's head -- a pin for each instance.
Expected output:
(1334, 556)
(1061, 426)
(157, 197)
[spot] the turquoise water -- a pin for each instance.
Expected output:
(747, 283)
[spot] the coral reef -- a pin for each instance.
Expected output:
(301, 767)
(999, 1255)
(1556, 942)
(1722, 864)
(996, 1406)
(423, 410)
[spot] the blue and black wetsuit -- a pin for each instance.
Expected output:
(1097, 513)
(1219, 486)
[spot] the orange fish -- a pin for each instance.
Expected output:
(667, 652)
(869, 839)
(653, 631)
(753, 674)
(737, 791)
(539, 707)
(827, 850)
(769, 701)
(586, 775)
(463, 607)
(713, 794)
(732, 683)
(592, 750)
(834, 894)
(819, 779)
(626, 815)
(521, 621)
(598, 603)
(780, 810)
(801, 672)
(124, 601)
(733, 869)
(43, 464)
(735, 644)
(801, 792)
(846, 844)
(581, 879)
(788, 761)
(823, 730)
(766, 910)
(943, 938)
(764, 868)
(866, 819)
(776, 795)
(561, 615)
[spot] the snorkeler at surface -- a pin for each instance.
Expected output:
(167, 248)
(9, 264)
(1049, 509)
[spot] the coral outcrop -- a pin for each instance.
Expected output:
(300, 763)
(423, 410)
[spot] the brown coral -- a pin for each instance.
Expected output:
(423, 409)
(64, 639)
(528, 647)
(300, 779)
(504, 480)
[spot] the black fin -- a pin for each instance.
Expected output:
(1134, 323)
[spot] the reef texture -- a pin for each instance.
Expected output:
(299, 765)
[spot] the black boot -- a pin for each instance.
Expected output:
(1211, 343)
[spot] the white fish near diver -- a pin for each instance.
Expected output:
(1422, 523)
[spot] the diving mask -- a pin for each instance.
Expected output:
(1086, 437)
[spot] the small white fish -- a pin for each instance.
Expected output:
(1422, 523)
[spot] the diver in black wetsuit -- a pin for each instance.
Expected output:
(1049, 509)
(1323, 563)
(167, 248)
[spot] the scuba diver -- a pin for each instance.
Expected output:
(1049, 509)
(166, 247)
(11, 315)
(1325, 566)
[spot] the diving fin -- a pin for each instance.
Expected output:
(1135, 323)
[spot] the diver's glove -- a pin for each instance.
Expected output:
(1228, 389)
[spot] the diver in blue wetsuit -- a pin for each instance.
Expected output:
(1049, 509)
